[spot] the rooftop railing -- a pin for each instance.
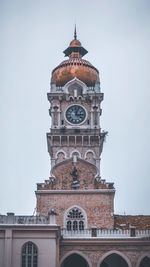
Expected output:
(11, 219)
(105, 233)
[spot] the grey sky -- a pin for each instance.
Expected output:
(33, 36)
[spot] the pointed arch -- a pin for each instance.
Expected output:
(75, 81)
(77, 253)
(75, 218)
(124, 257)
(29, 255)
(142, 257)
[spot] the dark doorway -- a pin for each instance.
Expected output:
(145, 262)
(114, 260)
(74, 260)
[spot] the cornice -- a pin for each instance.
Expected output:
(76, 192)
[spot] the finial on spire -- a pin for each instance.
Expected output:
(75, 33)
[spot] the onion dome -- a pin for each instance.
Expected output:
(75, 66)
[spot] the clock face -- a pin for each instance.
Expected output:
(75, 114)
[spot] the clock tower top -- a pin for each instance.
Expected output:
(75, 66)
(75, 108)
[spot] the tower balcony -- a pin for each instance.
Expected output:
(75, 137)
(75, 131)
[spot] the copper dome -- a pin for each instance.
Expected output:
(75, 66)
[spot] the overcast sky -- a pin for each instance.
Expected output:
(33, 35)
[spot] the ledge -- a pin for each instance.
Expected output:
(88, 191)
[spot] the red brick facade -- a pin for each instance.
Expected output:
(98, 205)
(126, 221)
(95, 251)
(96, 199)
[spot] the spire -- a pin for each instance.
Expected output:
(75, 33)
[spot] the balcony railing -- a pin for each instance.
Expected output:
(11, 219)
(94, 232)
(102, 233)
(76, 234)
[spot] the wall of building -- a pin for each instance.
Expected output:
(44, 238)
(2, 246)
(97, 250)
(86, 173)
(98, 205)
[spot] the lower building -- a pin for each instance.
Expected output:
(37, 241)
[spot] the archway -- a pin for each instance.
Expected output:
(74, 260)
(145, 262)
(114, 260)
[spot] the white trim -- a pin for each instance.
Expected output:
(127, 260)
(75, 207)
(76, 252)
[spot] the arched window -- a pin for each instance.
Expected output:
(75, 220)
(76, 154)
(60, 156)
(75, 90)
(90, 157)
(81, 225)
(29, 255)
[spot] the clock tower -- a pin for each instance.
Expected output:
(75, 189)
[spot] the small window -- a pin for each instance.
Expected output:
(81, 225)
(60, 156)
(69, 225)
(29, 255)
(75, 226)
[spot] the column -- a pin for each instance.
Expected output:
(8, 248)
(59, 123)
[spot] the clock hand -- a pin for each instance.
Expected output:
(77, 112)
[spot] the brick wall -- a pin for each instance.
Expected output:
(98, 205)
(96, 249)
(139, 221)
(86, 173)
